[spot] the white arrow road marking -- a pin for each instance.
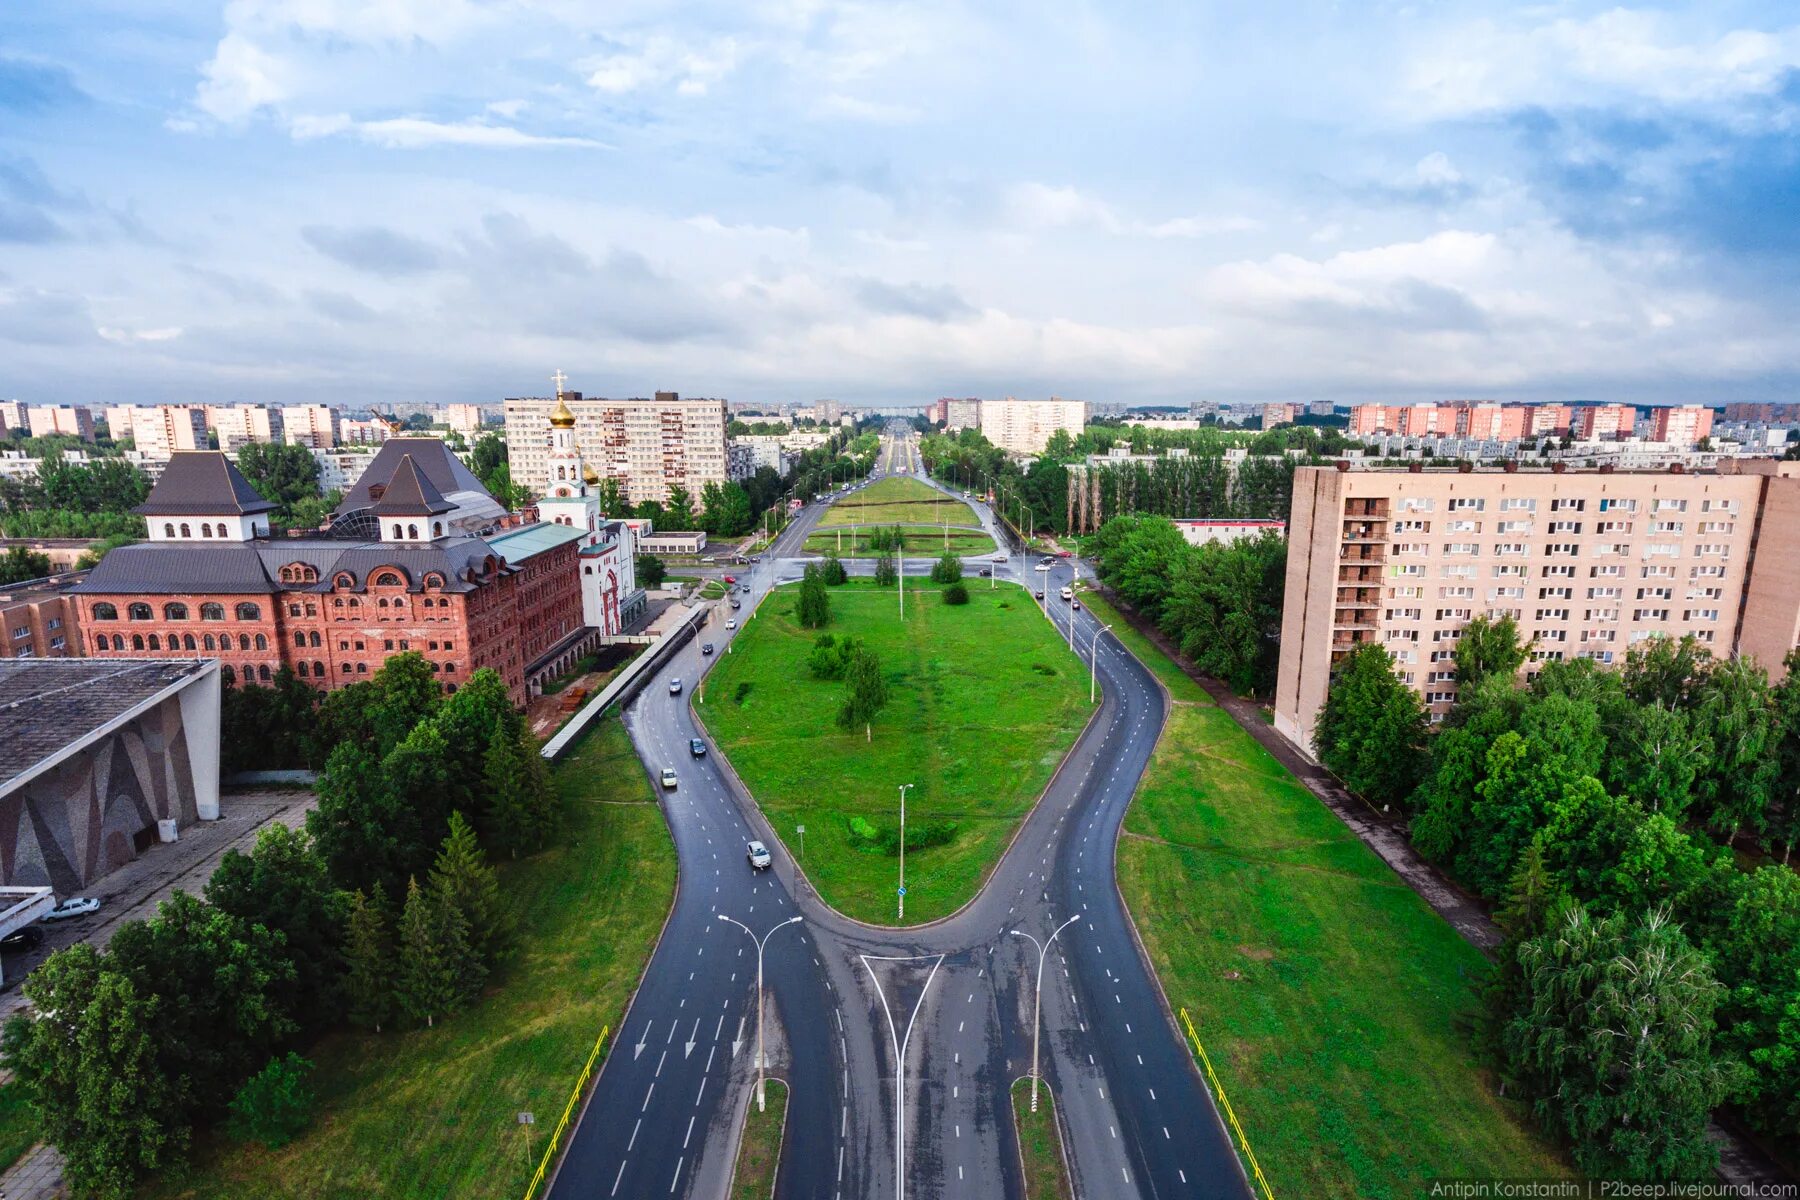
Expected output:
(643, 1040)
(739, 1039)
(691, 1043)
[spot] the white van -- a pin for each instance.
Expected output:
(1068, 594)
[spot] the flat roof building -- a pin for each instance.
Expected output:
(1026, 426)
(649, 446)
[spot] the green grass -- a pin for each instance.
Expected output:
(1180, 684)
(922, 541)
(1040, 1143)
(18, 1125)
(432, 1113)
(713, 590)
(759, 1154)
(983, 702)
(1334, 1002)
(898, 501)
(582, 666)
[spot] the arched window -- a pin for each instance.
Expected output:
(249, 612)
(105, 612)
(207, 641)
(205, 529)
(346, 668)
(185, 531)
(175, 611)
(155, 642)
(412, 533)
(262, 672)
(244, 641)
(344, 581)
(387, 579)
(262, 643)
(187, 642)
(139, 612)
(313, 638)
(398, 533)
(299, 638)
(337, 602)
(212, 612)
(168, 529)
(318, 669)
(434, 580)
(137, 641)
(381, 603)
(300, 668)
(437, 529)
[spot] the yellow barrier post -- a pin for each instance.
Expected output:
(1225, 1103)
(569, 1111)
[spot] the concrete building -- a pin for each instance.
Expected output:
(12, 416)
(1765, 414)
(649, 446)
(1590, 564)
(340, 470)
(1596, 422)
(1201, 532)
(673, 542)
(1682, 425)
(1550, 420)
(163, 430)
(314, 426)
(1026, 426)
(1279, 413)
(1322, 408)
(237, 425)
(68, 420)
(462, 418)
(962, 414)
(38, 618)
(101, 760)
(371, 432)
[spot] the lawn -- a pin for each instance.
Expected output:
(1334, 1002)
(983, 703)
(1040, 1143)
(898, 501)
(18, 1126)
(759, 1153)
(922, 541)
(433, 1113)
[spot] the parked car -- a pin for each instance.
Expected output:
(675, 684)
(758, 854)
(28, 938)
(696, 747)
(668, 777)
(74, 906)
(1040, 593)
(706, 648)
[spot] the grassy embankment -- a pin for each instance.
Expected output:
(983, 702)
(759, 1154)
(899, 501)
(1334, 1002)
(432, 1113)
(1040, 1143)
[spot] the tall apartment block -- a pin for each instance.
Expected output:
(1279, 413)
(12, 416)
(1601, 421)
(1589, 563)
(69, 420)
(1683, 424)
(161, 430)
(649, 446)
(1026, 426)
(239, 424)
(463, 418)
(314, 426)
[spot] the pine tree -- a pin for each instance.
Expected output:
(504, 818)
(885, 574)
(814, 608)
(438, 970)
(369, 955)
(468, 884)
(865, 690)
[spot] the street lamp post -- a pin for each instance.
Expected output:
(1093, 660)
(902, 889)
(1038, 1000)
(760, 943)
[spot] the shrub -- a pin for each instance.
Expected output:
(947, 569)
(956, 593)
(743, 691)
(275, 1105)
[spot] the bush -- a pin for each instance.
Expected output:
(833, 571)
(871, 838)
(957, 593)
(275, 1105)
(831, 656)
(742, 693)
(947, 569)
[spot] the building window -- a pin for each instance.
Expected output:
(312, 639)
(185, 531)
(262, 672)
(105, 612)
(249, 612)
(262, 643)
(155, 642)
(362, 668)
(168, 529)
(207, 641)
(212, 612)
(187, 641)
(299, 638)
(387, 579)
(175, 612)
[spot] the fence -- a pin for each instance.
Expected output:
(1224, 1103)
(626, 683)
(587, 1073)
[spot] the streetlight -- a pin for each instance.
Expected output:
(902, 888)
(760, 943)
(1038, 1000)
(1093, 668)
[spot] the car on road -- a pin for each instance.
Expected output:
(74, 906)
(675, 684)
(758, 854)
(986, 573)
(27, 938)
(1068, 593)
(731, 624)
(1040, 593)
(1043, 566)
(1075, 604)
(730, 579)
(668, 777)
(696, 747)
(999, 558)
(706, 648)
(736, 604)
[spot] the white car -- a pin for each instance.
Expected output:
(1043, 566)
(758, 854)
(74, 906)
(1068, 594)
(999, 558)
(731, 624)
(675, 684)
(668, 777)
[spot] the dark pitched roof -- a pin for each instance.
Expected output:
(254, 568)
(410, 494)
(48, 703)
(443, 469)
(202, 483)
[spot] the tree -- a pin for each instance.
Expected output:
(1656, 756)
(1666, 671)
(1489, 648)
(510, 496)
(885, 574)
(947, 569)
(438, 970)
(612, 498)
(865, 689)
(468, 884)
(813, 609)
(1371, 730)
(20, 564)
(1737, 714)
(360, 822)
(1223, 610)
(650, 570)
(519, 812)
(832, 569)
(957, 593)
(282, 473)
(369, 957)
(406, 692)
(1612, 1044)
(90, 558)
(679, 508)
(275, 1105)
(488, 454)
(725, 509)
(1784, 797)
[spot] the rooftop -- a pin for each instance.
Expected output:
(517, 545)
(47, 704)
(202, 483)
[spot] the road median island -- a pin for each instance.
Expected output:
(759, 1146)
(899, 501)
(1333, 1001)
(983, 703)
(1041, 1155)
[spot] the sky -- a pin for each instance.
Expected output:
(1144, 202)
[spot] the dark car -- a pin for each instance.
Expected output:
(696, 747)
(985, 573)
(706, 649)
(735, 604)
(1040, 593)
(27, 938)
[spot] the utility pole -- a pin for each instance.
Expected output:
(1093, 660)
(902, 888)
(760, 943)
(1037, 1002)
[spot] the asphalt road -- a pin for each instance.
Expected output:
(908, 1038)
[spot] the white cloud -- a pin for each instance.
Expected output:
(1200, 226)
(411, 133)
(129, 336)
(661, 60)
(241, 78)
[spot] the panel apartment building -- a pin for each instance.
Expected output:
(649, 446)
(1589, 563)
(1026, 426)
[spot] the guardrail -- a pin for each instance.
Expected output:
(1224, 1103)
(587, 1073)
(625, 684)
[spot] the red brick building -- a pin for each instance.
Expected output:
(400, 569)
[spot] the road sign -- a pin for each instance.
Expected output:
(526, 1118)
(902, 891)
(799, 829)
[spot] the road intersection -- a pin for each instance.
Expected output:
(900, 1046)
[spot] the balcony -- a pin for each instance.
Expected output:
(1362, 552)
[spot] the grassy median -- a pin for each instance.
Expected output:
(1040, 1143)
(433, 1113)
(898, 501)
(759, 1153)
(921, 541)
(1334, 1002)
(983, 703)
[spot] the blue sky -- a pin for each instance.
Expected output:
(1145, 202)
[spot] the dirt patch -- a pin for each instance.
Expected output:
(1256, 952)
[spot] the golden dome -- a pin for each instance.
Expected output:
(560, 416)
(590, 476)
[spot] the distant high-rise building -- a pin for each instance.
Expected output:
(237, 425)
(12, 416)
(1279, 413)
(463, 418)
(314, 426)
(1026, 426)
(159, 431)
(352, 432)
(1684, 425)
(649, 446)
(1599, 422)
(66, 420)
